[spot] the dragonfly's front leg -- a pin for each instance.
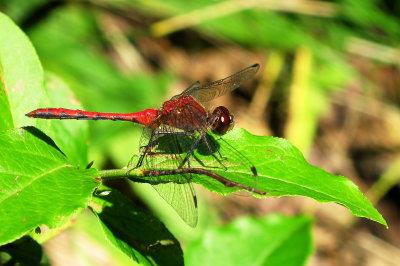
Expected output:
(212, 153)
(146, 150)
(190, 152)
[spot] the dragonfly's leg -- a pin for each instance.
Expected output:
(188, 161)
(212, 153)
(151, 143)
(143, 155)
(140, 161)
(190, 151)
(179, 133)
(190, 179)
(210, 150)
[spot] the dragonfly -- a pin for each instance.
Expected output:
(184, 117)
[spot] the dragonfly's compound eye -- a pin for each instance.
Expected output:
(223, 120)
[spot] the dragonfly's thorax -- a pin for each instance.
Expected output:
(185, 113)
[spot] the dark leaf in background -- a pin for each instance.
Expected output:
(136, 233)
(24, 251)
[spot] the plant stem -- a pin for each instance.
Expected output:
(135, 173)
(121, 173)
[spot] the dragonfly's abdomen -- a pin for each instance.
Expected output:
(144, 117)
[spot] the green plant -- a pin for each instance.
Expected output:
(44, 180)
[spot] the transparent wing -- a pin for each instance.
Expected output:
(220, 87)
(182, 198)
(164, 152)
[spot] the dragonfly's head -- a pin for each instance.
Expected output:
(222, 120)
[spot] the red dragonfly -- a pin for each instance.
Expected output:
(184, 115)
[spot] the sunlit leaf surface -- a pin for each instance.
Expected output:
(273, 240)
(37, 184)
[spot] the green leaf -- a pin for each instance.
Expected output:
(21, 76)
(70, 136)
(37, 184)
(136, 233)
(282, 171)
(22, 90)
(273, 240)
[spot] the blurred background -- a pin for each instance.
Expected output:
(329, 82)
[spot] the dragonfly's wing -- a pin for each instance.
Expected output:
(182, 198)
(192, 87)
(165, 152)
(220, 87)
(195, 86)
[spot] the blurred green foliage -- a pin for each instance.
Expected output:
(284, 241)
(71, 43)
